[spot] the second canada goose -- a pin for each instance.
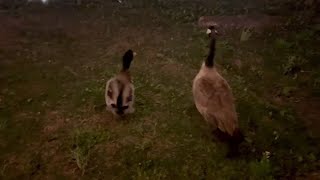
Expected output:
(214, 100)
(119, 94)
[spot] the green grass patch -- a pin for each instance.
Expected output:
(83, 141)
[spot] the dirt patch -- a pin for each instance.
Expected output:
(12, 164)
(312, 176)
(10, 31)
(134, 38)
(54, 123)
(172, 69)
(109, 152)
(101, 119)
(308, 110)
(45, 23)
(257, 22)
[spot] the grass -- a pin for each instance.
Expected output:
(261, 169)
(83, 141)
(53, 76)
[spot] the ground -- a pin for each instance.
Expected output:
(55, 60)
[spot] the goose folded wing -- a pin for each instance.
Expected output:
(204, 90)
(111, 89)
(220, 105)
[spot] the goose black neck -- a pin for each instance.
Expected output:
(210, 59)
(127, 58)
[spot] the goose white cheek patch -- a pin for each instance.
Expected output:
(209, 31)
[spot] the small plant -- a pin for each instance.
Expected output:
(246, 34)
(288, 91)
(293, 65)
(316, 81)
(4, 120)
(257, 71)
(261, 169)
(3, 123)
(282, 44)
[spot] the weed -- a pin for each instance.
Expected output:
(288, 90)
(83, 141)
(4, 119)
(293, 65)
(246, 34)
(282, 44)
(316, 81)
(261, 169)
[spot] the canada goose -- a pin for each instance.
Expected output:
(214, 100)
(119, 94)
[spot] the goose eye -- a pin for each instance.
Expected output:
(113, 105)
(125, 107)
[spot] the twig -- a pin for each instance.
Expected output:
(70, 70)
